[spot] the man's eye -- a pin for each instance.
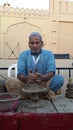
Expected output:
(34, 43)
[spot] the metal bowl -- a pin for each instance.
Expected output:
(8, 102)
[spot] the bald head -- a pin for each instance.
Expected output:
(35, 34)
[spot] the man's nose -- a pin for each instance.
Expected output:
(35, 45)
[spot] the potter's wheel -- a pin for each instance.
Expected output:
(33, 90)
(35, 104)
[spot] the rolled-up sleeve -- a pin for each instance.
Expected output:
(21, 67)
(51, 66)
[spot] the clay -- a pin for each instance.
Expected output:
(69, 90)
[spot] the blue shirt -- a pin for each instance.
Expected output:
(45, 64)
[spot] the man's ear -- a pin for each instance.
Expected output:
(29, 44)
(43, 44)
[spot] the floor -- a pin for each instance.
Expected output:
(60, 104)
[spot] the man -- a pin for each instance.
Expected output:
(38, 65)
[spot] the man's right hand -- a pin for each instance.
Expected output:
(34, 77)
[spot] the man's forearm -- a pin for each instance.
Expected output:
(48, 76)
(42, 77)
(22, 77)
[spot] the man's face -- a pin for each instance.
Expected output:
(35, 44)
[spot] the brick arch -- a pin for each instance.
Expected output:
(16, 38)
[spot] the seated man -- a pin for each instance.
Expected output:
(36, 65)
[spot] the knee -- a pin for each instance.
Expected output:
(60, 79)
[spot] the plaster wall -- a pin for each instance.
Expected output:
(55, 25)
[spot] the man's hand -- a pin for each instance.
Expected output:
(34, 77)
